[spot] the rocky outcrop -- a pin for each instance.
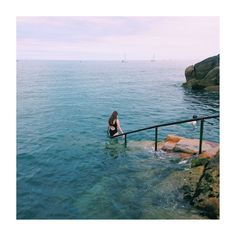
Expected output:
(203, 75)
(204, 194)
(189, 146)
(199, 186)
(200, 183)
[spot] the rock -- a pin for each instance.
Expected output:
(169, 146)
(203, 155)
(190, 73)
(199, 162)
(200, 184)
(181, 184)
(187, 147)
(192, 146)
(214, 88)
(206, 196)
(212, 76)
(173, 138)
(203, 75)
(211, 153)
(185, 155)
(202, 68)
(210, 207)
(192, 179)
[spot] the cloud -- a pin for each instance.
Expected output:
(110, 37)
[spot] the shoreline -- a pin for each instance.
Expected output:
(200, 183)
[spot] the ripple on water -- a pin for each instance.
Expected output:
(66, 167)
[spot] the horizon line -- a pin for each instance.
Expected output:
(150, 60)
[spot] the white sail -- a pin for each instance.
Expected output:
(153, 58)
(124, 59)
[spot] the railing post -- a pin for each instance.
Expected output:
(156, 133)
(201, 135)
(125, 140)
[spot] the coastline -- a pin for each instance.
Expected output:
(198, 184)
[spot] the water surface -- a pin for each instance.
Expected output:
(68, 168)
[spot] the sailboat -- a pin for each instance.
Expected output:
(124, 59)
(153, 58)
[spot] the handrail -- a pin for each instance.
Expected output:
(168, 124)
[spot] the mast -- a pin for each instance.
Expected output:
(153, 58)
(124, 59)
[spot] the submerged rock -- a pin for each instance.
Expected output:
(203, 75)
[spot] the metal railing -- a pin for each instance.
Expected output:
(202, 119)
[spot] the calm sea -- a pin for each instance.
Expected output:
(67, 168)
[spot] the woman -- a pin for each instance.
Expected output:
(114, 124)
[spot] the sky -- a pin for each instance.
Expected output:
(110, 38)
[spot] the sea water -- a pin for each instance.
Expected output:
(67, 167)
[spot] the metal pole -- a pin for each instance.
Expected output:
(201, 136)
(156, 133)
(125, 140)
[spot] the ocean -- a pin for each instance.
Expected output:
(67, 167)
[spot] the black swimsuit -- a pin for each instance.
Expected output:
(113, 132)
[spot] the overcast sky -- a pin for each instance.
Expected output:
(109, 38)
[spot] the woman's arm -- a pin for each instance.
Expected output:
(118, 126)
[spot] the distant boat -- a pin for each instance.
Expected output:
(153, 58)
(124, 59)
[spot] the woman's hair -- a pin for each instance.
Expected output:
(113, 117)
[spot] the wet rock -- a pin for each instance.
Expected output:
(169, 146)
(186, 148)
(210, 206)
(187, 145)
(173, 138)
(170, 142)
(203, 75)
(178, 181)
(207, 193)
(200, 184)
(185, 156)
(199, 162)
(210, 153)
(192, 179)
(191, 146)
(201, 187)
(212, 88)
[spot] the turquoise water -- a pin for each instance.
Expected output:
(67, 168)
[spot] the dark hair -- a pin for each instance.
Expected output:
(113, 117)
(194, 116)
